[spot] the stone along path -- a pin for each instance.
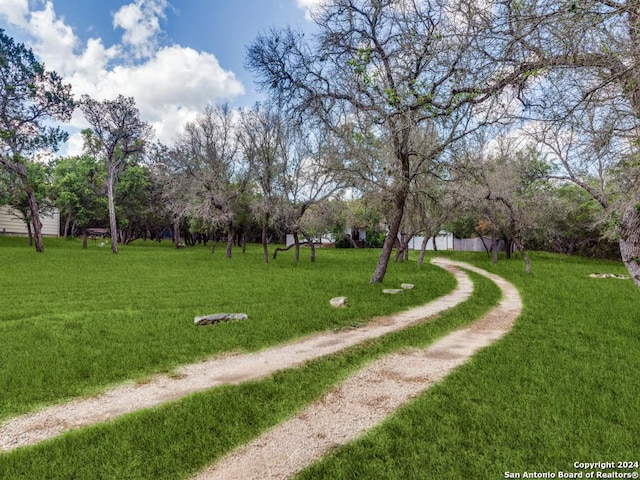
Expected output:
(229, 369)
(366, 398)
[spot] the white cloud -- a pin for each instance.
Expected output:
(15, 11)
(170, 84)
(310, 7)
(141, 24)
(174, 85)
(55, 41)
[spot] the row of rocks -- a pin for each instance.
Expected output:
(403, 287)
(336, 302)
(341, 302)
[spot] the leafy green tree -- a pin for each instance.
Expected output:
(580, 229)
(132, 199)
(78, 190)
(30, 99)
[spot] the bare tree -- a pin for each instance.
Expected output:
(310, 178)
(584, 92)
(117, 134)
(209, 176)
(506, 181)
(434, 203)
(388, 67)
(264, 137)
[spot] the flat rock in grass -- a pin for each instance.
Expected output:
(338, 302)
(407, 286)
(392, 291)
(219, 317)
(609, 275)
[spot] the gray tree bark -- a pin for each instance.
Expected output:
(112, 210)
(423, 248)
(35, 220)
(630, 241)
(265, 232)
(230, 235)
(389, 242)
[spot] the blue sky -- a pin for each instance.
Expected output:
(172, 56)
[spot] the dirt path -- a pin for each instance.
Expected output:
(229, 369)
(366, 398)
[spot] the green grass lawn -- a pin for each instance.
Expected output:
(562, 387)
(73, 322)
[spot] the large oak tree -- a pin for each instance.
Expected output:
(383, 69)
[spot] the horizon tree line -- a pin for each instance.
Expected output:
(383, 100)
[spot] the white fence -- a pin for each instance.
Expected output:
(443, 241)
(472, 244)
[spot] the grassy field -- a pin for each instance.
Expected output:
(74, 321)
(560, 388)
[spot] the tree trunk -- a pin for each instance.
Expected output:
(312, 247)
(230, 236)
(389, 242)
(214, 241)
(484, 244)
(29, 232)
(112, 211)
(351, 240)
(630, 242)
(275, 251)
(435, 245)
(403, 250)
(296, 243)
(423, 248)
(84, 237)
(67, 224)
(35, 220)
(265, 231)
(508, 247)
(399, 252)
(494, 247)
(525, 257)
(176, 232)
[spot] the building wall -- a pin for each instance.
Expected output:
(11, 224)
